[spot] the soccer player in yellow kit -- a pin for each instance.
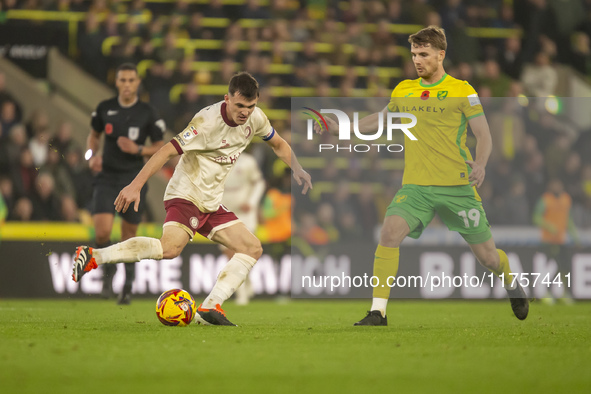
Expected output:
(439, 175)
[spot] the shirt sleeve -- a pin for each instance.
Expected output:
(471, 107)
(192, 138)
(264, 128)
(157, 127)
(394, 102)
(96, 120)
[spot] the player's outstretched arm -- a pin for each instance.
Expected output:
(131, 193)
(284, 152)
(129, 146)
(481, 131)
(371, 123)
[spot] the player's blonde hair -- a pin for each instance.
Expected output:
(430, 35)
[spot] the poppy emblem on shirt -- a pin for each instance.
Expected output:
(194, 222)
(425, 95)
(248, 131)
(108, 128)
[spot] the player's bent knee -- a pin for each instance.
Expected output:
(170, 249)
(171, 252)
(254, 249)
(490, 260)
(391, 237)
(257, 250)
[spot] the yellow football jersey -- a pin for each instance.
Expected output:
(442, 109)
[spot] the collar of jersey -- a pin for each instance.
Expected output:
(225, 116)
(137, 100)
(433, 84)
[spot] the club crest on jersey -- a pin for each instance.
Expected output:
(133, 133)
(425, 95)
(194, 222)
(401, 198)
(442, 94)
(248, 131)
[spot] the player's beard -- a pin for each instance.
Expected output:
(424, 73)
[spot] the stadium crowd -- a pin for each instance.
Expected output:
(344, 49)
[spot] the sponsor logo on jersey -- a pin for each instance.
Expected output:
(473, 99)
(442, 94)
(193, 130)
(108, 128)
(111, 112)
(227, 159)
(419, 108)
(133, 133)
(224, 144)
(179, 140)
(187, 135)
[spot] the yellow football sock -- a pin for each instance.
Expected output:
(504, 268)
(385, 265)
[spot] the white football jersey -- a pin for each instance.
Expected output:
(210, 145)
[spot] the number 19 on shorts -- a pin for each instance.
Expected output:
(473, 215)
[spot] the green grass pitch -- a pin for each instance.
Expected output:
(91, 346)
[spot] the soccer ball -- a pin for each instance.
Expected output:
(176, 307)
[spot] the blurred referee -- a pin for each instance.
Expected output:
(126, 123)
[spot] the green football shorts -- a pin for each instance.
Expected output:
(457, 207)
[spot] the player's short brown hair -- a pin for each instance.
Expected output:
(245, 84)
(430, 35)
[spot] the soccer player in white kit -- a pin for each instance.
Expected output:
(209, 146)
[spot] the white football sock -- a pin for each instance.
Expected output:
(379, 304)
(129, 251)
(229, 279)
